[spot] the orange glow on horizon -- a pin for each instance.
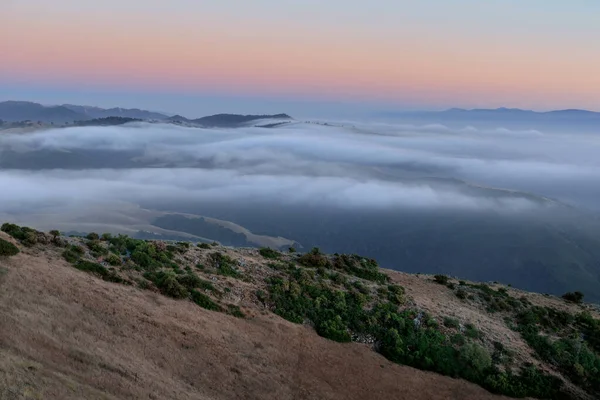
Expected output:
(214, 58)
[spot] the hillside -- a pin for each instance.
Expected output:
(114, 332)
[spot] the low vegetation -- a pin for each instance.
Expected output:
(8, 249)
(27, 236)
(269, 253)
(573, 297)
(403, 335)
(224, 265)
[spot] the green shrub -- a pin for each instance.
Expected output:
(77, 249)
(70, 255)
(261, 296)
(167, 283)
(441, 279)
(361, 267)
(96, 247)
(292, 250)
(206, 285)
(190, 281)
(113, 259)
(99, 270)
(338, 278)
(224, 265)
(590, 327)
(451, 322)
(461, 294)
(573, 297)
(476, 357)
(205, 246)
(143, 284)
(27, 236)
(360, 287)
(8, 249)
(269, 253)
(334, 329)
(106, 237)
(472, 332)
(395, 294)
(204, 301)
(235, 311)
(93, 267)
(92, 236)
(278, 265)
(314, 259)
(13, 230)
(458, 339)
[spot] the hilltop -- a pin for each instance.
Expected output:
(234, 120)
(108, 317)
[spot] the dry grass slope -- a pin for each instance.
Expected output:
(65, 334)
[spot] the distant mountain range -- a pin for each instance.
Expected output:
(502, 111)
(17, 111)
(14, 111)
(514, 118)
(97, 112)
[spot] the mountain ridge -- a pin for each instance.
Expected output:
(565, 120)
(18, 111)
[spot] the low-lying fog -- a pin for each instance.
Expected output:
(352, 167)
(482, 204)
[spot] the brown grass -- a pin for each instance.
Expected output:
(67, 335)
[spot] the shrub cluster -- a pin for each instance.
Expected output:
(406, 337)
(364, 268)
(573, 297)
(204, 301)
(8, 249)
(573, 351)
(224, 265)
(27, 236)
(100, 270)
(314, 259)
(269, 253)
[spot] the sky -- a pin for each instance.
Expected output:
(304, 57)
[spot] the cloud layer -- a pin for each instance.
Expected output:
(350, 166)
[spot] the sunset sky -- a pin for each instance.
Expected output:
(310, 57)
